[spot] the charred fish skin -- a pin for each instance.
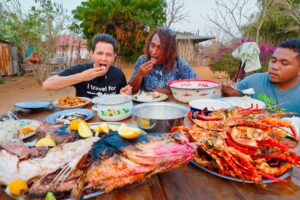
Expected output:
(60, 133)
(112, 162)
(118, 162)
(108, 145)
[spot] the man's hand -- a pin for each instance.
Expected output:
(163, 90)
(126, 90)
(92, 73)
(146, 67)
(228, 90)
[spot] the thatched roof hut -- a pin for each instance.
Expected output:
(186, 46)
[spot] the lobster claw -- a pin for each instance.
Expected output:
(204, 117)
(294, 132)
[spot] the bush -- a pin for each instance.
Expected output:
(1, 80)
(220, 58)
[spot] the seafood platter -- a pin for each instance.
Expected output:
(80, 160)
(248, 145)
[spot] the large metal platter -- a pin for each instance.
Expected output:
(283, 176)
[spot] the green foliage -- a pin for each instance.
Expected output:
(228, 64)
(129, 21)
(221, 60)
(278, 26)
(33, 28)
(1, 80)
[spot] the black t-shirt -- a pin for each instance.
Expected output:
(111, 83)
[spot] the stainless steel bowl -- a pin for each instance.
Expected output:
(159, 117)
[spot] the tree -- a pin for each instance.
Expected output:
(175, 12)
(229, 18)
(280, 23)
(42, 23)
(129, 21)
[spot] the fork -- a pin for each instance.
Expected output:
(65, 172)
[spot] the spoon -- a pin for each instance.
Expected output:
(248, 91)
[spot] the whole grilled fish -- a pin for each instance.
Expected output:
(115, 162)
(118, 162)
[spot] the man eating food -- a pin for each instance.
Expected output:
(93, 79)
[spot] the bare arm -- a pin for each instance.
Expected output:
(163, 90)
(227, 90)
(143, 71)
(136, 83)
(59, 82)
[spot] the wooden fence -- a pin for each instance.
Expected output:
(5, 59)
(9, 59)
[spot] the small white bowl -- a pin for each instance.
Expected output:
(113, 107)
(188, 90)
(199, 105)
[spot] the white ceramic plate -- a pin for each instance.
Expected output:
(146, 97)
(77, 106)
(244, 102)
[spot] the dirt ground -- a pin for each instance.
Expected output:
(26, 88)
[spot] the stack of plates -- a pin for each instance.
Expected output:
(29, 105)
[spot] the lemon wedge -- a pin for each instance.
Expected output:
(104, 127)
(50, 196)
(128, 132)
(97, 129)
(27, 129)
(16, 186)
(144, 123)
(74, 124)
(45, 142)
(113, 128)
(84, 130)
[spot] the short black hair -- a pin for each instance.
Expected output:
(293, 45)
(103, 37)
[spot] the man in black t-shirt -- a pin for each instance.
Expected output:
(97, 78)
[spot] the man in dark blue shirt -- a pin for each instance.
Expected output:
(160, 64)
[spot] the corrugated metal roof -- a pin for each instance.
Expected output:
(194, 38)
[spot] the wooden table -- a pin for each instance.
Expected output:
(190, 182)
